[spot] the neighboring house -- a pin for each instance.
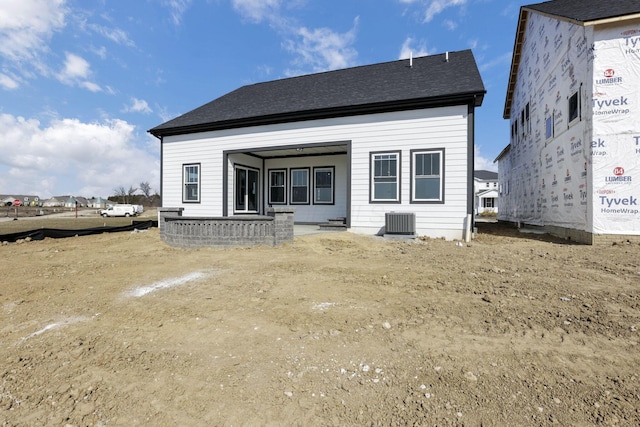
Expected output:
(25, 200)
(354, 143)
(98, 203)
(485, 190)
(573, 164)
(55, 202)
(82, 201)
(71, 202)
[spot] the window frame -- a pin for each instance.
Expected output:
(291, 186)
(549, 126)
(441, 175)
(317, 169)
(284, 186)
(185, 198)
(485, 202)
(578, 108)
(372, 177)
(247, 170)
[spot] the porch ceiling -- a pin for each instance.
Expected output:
(299, 151)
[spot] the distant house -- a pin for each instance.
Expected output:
(573, 163)
(98, 203)
(485, 190)
(25, 200)
(357, 143)
(57, 201)
(82, 201)
(6, 200)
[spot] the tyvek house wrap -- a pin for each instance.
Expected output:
(577, 172)
(616, 131)
(549, 158)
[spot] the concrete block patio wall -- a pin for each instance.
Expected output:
(272, 229)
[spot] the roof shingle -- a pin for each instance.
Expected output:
(587, 10)
(371, 88)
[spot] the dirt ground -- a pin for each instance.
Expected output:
(333, 329)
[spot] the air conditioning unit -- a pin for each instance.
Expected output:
(400, 223)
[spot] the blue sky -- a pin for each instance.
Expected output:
(81, 82)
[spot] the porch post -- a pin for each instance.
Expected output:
(283, 223)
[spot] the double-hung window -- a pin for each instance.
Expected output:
(427, 176)
(191, 183)
(300, 186)
(278, 186)
(385, 177)
(323, 185)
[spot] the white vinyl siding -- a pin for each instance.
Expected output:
(409, 130)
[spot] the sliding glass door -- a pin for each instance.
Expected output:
(247, 185)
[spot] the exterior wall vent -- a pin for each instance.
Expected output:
(400, 223)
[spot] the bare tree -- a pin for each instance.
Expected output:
(130, 193)
(120, 193)
(145, 187)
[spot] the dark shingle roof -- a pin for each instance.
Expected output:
(389, 86)
(587, 10)
(485, 175)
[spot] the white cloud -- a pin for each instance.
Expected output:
(27, 25)
(75, 71)
(408, 49)
(74, 67)
(7, 82)
(116, 35)
(138, 106)
(257, 10)
(437, 6)
(178, 8)
(503, 61)
(482, 163)
(72, 157)
(314, 49)
(451, 25)
(434, 7)
(323, 49)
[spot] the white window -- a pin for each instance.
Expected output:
(246, 186)
(191, 183)
(427, 176)
(384, 175)
(323, 185)
(300, 186)
(278, 187)
(488, 202)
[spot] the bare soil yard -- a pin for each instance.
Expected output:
(333, 329)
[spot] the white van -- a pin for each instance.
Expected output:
(119, 210)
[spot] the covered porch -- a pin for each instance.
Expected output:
(314, 179)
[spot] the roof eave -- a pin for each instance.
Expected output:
(470, 98)
(515, 62)
(585, 23)
(502, 153)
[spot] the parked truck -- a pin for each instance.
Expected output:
(119, 210)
